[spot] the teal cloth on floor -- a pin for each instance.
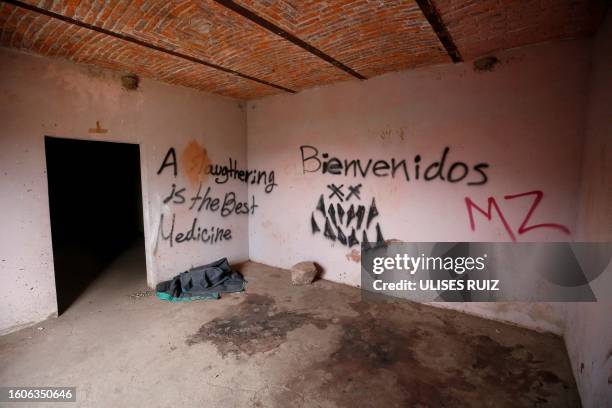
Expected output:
(202, 283)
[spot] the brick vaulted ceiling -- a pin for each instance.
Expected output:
(252, 48)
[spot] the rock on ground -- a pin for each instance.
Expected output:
(303, 273)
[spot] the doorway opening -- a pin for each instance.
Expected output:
(95, 204)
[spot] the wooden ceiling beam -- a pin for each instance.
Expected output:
(434, 19)
(141, 43)
(262, 22)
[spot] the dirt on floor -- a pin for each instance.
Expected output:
(380, 360)
(278, 345)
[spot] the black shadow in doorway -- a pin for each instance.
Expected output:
(95, 204)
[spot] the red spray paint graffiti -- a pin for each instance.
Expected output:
(524, 227)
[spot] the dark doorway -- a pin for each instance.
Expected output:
(95, 204)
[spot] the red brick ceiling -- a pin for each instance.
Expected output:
(208, 45)
(479, 27)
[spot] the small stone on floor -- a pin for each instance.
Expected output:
(303, 273)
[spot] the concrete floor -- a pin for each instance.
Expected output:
(280, 346)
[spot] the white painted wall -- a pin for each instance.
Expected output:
(525, 119)
(50, 97)
(588, 332)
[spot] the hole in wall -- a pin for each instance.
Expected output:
(486, 64)
(130, 82)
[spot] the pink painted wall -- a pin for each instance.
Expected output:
(530, 120)
(50, 97)
(525, 119)
(588, 332)
(541, 120)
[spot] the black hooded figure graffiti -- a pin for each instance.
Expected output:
(340, 216)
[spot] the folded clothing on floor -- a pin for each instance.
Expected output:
(202, 282)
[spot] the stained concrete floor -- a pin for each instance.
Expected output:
(280, 346)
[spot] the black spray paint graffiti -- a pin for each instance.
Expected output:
(204, 199)
(210, 235)
(344, 222)
(441, 169)
(208, 202)
(222, 174)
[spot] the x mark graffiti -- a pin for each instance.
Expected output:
(336, 191)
